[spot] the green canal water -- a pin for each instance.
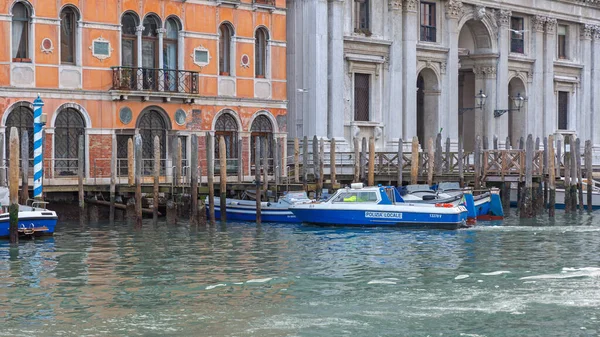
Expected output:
(509, 278)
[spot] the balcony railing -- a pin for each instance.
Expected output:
(428, 33)
(265, 2)
(150, 79)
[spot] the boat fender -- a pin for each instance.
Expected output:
(268, 204)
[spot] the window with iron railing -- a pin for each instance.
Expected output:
(428, 22)
(517, 40)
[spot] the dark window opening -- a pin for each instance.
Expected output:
(226, 127)
(428, 22)
(362, 97)
(68, 31)
(20, 117)
(562, 41)
(517, 40)
(563, 110)
(69, 126)
(362, 15)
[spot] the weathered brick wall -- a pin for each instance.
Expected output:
(99, 153)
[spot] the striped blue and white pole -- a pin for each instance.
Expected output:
(38, 160)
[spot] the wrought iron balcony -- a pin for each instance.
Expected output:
(155, 80)
(270, 3)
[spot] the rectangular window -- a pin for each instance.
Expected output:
(362, 84)
(563, 110)
(428, 26)
(562, 41)
(517, 40)
(362, 23)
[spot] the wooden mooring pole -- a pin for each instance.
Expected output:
(304, 163)
(356, 161)
(579, 173)
(13, 184)
(431, 163)
(527, 208)
(461, 169)
(130, 163)
(477, 162)
(371, 180)
(223, 178)
(296, 161)
(113, 178)
(80, 173)
(210, 168)
(138, 180)
(332, 163)
(321, 167)
(363, 160)
(551, 177)
(414, 162)
(567, 181)
(400, 161)
(589, 174)
(258, 176)
(156, 179)
(3, 165)
(574, 176)
(194, 165)
(24, 168)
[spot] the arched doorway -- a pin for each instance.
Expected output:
(68, 127)
(263, 129)
(20, 117)
(517, 120)
(477, 61)
(227, 127)
(428, 94)
(152, 123)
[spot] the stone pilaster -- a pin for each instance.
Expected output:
(584, 111)
(550, 119)
(485, 78)
(535, 106)
(595, 79)
(410, 34)
(448, 116)
(336, 70)
(502, 100)
(393, 128)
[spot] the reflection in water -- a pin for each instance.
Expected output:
(500, 279)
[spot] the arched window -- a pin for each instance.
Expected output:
(69, 125)
(226, 126)
(20, 32)
(170, 54)
(151, 124)
(263, 129)
(150, 52)
(129, 23)
(20, 117)
(225, 56)
(260, 52)
(68, 35)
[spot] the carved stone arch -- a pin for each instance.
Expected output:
(19, 115)
(69, 125)
(268, 115)
(226, 124)
(227, 111)
(435, 70)
(522, 75)
(84, 114)
(27, 4)
(14, 106)
(484, 30)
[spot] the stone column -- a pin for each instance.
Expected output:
(161, 58)
(550, 124)
(502, 99)
(535, 105)
(393, 127)
(138, 32)
(585, 113)
(448, 118)
(486, 74)
(595, 90)
(410, 32)
(336, 70)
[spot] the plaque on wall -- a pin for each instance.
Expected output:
(125, 115)
(180, 117)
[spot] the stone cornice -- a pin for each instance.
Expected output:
(538, 22)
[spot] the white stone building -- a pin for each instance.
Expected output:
(404, 68)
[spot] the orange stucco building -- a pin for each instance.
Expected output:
(166, 68)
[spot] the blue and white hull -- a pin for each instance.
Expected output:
(379, 206)
(245, 210)
(31, 222)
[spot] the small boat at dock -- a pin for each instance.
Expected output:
(245, 210)
(488, 205)
(34, 219)
(379, 206)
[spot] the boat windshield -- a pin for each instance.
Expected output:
(356, 196)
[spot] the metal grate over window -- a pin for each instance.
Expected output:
(69, 126)
(361, 96)
(22, 118)
(563, 110)
(152, 124)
